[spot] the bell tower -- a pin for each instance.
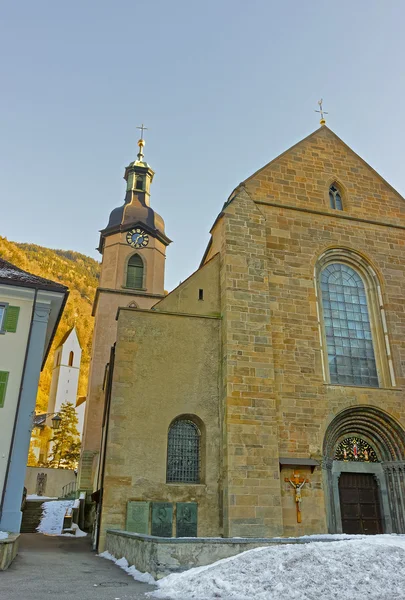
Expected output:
(133, 248)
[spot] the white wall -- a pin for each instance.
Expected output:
(12, 354)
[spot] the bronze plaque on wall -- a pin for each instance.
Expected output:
(186, 519)
(137, 517)
(162, 519)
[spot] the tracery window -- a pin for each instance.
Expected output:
(183, 452)
(347, 326)
(335, 198)
(355, 449)
(135, 272)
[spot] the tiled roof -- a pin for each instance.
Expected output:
(9, 273)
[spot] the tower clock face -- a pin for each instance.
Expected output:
(137, 238)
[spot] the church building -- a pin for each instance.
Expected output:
(264, 395)
(65, 376)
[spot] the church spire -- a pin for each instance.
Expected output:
(136, 210)
(138, 174)
(141, 143)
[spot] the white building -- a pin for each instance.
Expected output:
(30, 310)
(65, 376)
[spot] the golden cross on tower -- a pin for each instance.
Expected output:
(141, 143)
(322, 112)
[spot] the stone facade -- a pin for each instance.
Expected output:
(247, 359)
(186, 384)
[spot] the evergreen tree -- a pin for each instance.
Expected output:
(32, 459)
(65, 445)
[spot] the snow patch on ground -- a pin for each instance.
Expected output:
(77, 532)
(368, 566)
(123, 564)
(3, 535)
(53, 513)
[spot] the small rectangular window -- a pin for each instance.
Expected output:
(3, 310)
(201, 294)
(11, 318)
(3, 387)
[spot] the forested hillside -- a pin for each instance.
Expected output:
(80, 273)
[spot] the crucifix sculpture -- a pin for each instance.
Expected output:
(298, 483)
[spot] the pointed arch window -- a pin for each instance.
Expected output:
(71, 357)
(335, 198)
(183, 452)
(135, 272)
(347, 326)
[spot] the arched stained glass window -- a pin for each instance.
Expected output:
(335, 198)
(347, 327)
(135, 272)
(183, 452)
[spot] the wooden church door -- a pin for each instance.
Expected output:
(359, 504)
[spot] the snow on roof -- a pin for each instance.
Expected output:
(9, 273)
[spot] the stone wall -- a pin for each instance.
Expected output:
(55, 480)
(252, 504)
(166, 366)
(8, 550)
(162, 556)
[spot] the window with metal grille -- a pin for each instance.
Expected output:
(183, 452)
(335, 198)
(135, 272)
(347, 327)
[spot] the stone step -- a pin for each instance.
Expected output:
(32, 514)
(31, 517)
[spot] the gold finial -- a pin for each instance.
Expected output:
(141, 143)
(322, 112)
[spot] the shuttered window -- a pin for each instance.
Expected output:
(3, 387)
(135, 272)
(11, 319)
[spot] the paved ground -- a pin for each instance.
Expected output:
(52, 567)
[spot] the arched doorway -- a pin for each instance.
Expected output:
(364, 462)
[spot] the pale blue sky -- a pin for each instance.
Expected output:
(224, 86)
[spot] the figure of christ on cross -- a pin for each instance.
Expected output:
(298, 483)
